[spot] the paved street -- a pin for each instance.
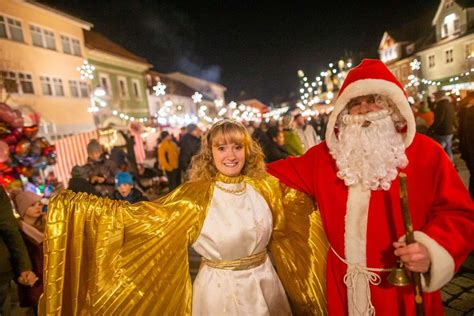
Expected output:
(458, 295)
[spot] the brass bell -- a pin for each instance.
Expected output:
(398, 276)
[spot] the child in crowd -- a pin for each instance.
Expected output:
(125, 190)
(32, 223)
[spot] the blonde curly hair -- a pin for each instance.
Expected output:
(227, 132)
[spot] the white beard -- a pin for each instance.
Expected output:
(369, 155)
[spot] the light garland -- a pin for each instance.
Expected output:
(312, 92)
(130, 118)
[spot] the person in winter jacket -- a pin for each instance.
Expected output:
(168, 156)
(190, 144)
(275, 149)
(293, 144)
(100, 171)
(125, 190)
(14, 260)
(32, 223)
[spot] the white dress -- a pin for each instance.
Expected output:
(237, 226)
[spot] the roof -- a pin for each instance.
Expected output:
(462, 3)
(414, 30)
(84, 24)
(97, 41)
(193, 81)
(255, 103)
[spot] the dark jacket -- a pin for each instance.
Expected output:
(190, 145)
(29, 296)
(134, 196)
(466, 136)
(104, 168)
(13, 253)
(274, 152)
(443, 118)
(82, 185)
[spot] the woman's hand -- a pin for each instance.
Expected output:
(415, 257)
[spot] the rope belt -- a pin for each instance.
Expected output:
(245, 263)
(354, 271)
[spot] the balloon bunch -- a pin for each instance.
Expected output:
(21, 152)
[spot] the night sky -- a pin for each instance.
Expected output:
(254, 47)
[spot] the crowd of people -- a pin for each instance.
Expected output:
(237, 193)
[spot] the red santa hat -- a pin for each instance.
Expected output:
(371, 76)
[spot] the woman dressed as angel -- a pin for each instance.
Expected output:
(262, 244)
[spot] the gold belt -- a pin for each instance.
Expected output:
(245, 263)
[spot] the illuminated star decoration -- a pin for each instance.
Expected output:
(160, 89)
(415, 64)
(197, 97)
(86, 70)
(218, 103)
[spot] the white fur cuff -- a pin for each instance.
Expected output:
(442, 263)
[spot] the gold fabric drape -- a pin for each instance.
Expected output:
(106, 257)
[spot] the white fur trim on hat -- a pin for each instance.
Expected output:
(373, 86)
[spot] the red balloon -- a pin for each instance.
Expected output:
(4, 151)
(30, 131)
(3, 167)
(23, 147)
(10, 117)
(24, 170)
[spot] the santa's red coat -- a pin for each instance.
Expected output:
(440, 207)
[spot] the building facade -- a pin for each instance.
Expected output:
(443, 50)
(40, 49)
(119, 74)
(174, 105)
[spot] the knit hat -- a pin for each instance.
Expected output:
(23, 200)
(93, 147)
(191, 127)
(123, 178)
(371, 76)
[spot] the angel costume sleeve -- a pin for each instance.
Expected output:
(106, 257)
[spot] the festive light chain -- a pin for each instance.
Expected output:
(310, 92)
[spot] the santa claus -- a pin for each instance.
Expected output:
(353, 176)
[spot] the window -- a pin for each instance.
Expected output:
(444, 31)
(449, 56)
(451, 25)
(457, 25)
(26, 83)
(14, 27)
(405, 72)
(46, 87)
(71, 46)
(105, 83)
(431, 61)
(123, 87)
(76, 47)
(11, 29)
(58, 87)
(470, 50)
(3, 28)
(74, 88)
(42, 38)
(84, 89)
(136, 88)
(10, 81)
(17, 82)
(52, 86)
